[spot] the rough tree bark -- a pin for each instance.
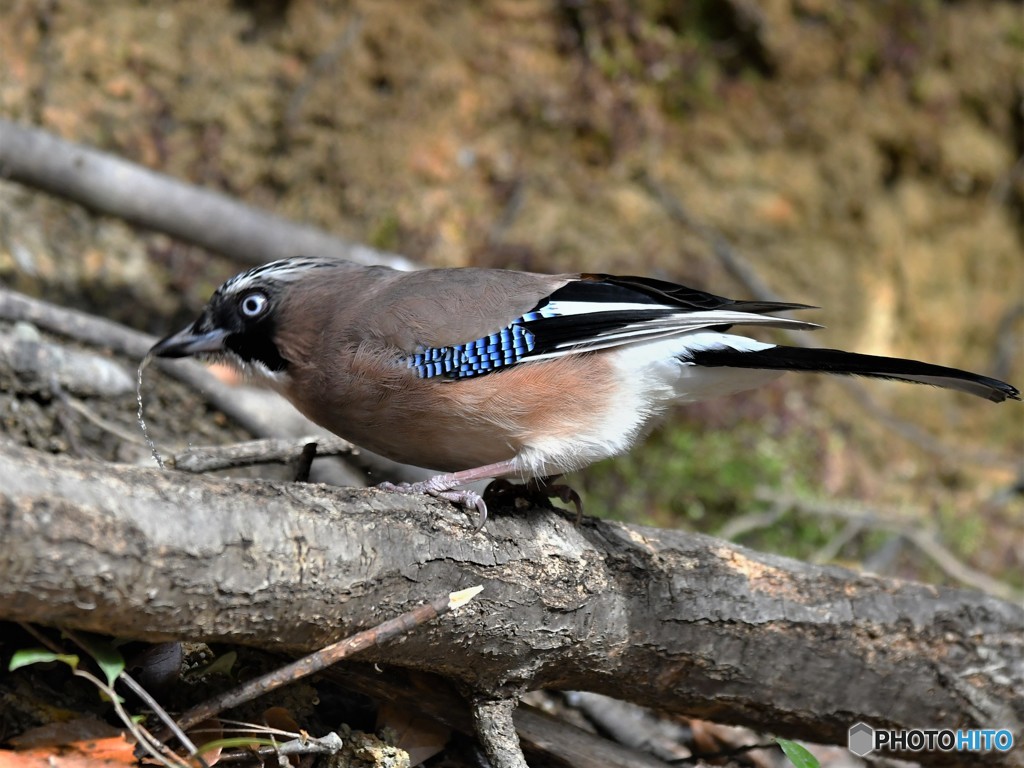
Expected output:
(678, 621)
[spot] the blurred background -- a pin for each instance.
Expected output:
(865, 158)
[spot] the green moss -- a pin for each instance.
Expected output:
(691, 477)
(385, 232)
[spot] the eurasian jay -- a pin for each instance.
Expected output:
(487, 373)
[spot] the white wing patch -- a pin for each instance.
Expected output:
(681, 325)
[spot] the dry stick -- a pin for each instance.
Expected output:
(109, 184)
(831, 549)
(304, 463)
(879, 519)
(924, 440)
(330, 744)
(734, 264)
(564, 742)
(207, 458)
(161, 713)
(148, 700)
(325, 657)
(144, 739)
(496, 729)
(124, 677)
(107, 426)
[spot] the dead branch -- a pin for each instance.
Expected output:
(323, 658)
(681, 622)
(538, 731)
(109, 184)
(899, 522)
(497, 731)
(197, 459)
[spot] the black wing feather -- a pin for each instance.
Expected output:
(634, 288)
(782, 358)
(665, 299)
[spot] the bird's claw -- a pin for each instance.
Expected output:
(464, 498)
(535, 491)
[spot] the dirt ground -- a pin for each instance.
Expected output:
(864, 158)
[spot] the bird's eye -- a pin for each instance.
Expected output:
(253, 304)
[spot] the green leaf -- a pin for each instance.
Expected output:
(107, 657)
(798, 754)
(222, 665)
(28, 656)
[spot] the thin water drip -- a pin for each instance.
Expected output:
(141, 417)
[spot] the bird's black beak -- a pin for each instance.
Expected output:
(189, 341)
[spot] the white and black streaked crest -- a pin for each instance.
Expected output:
(239, 323)
(280, 271)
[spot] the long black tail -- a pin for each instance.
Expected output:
(837, 361)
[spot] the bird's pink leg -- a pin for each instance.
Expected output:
(444, 486)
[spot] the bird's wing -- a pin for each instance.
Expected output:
(587, 313)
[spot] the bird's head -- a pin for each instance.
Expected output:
(240, 323)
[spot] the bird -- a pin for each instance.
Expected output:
(484, 374)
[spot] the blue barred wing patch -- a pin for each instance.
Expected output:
(475, 358)
(594, 313)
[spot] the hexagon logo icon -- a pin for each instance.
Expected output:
(861, 739)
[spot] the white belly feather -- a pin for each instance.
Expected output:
(653, 376)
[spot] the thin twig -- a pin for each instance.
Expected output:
(145, 740)
(148, 700)
(142, 736)
(921, 438)
(207, 458)
(910, 530)
(46, 642)
(1008, 344)
(957, 570)
(325, 657)
(325, 745)
(752, 521)
(729, 257)
(160, 712)
(835, 545)
(51, 646)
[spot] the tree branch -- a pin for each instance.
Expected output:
(682, 622)
(109, 184)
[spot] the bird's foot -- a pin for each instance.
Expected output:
(567, 495)
(440, 490)
(538, 490)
